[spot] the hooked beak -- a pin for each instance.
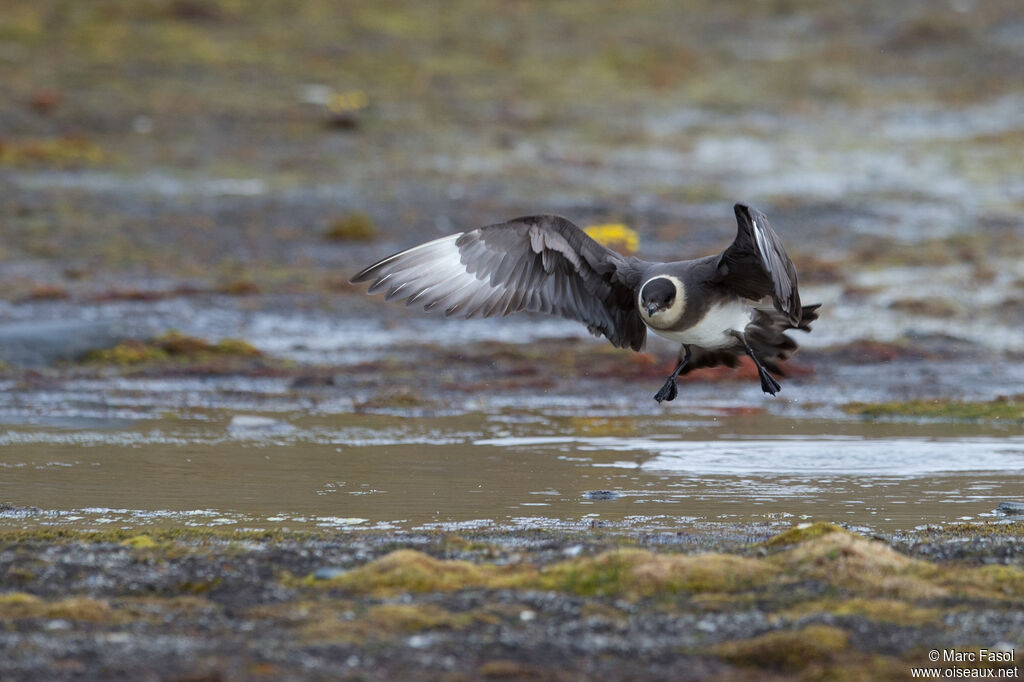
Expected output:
(651, 309)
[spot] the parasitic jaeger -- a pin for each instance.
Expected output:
(718, 308)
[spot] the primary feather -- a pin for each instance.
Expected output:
(543, 264)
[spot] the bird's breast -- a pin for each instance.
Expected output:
(712, 329)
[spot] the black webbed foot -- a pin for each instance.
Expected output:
(668, 391)
(768, 383)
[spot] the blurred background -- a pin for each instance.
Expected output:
(187, 185)
(275, 147)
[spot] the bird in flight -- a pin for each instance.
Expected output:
(719, 308)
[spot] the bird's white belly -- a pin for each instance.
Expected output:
(713, 330)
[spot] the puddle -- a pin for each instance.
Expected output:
(504, 471)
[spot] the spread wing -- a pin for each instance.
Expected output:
(542, 264)
(756, 264)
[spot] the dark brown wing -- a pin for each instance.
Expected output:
(542, 264)
(756, 264)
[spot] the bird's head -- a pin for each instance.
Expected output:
(662, 300)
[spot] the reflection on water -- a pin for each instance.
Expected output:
(508, 470)
(807, 455)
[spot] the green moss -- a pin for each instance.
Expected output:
(401, 399)
(236, 347)
(642, 573)
(853, 565)
(164, 536)
(81, 609)
(863, 575)
(172, 346)
(626, 572)
(787, 650)
(992, 581)
(880, 610)
(130, 352)
(199, 586)
(1000, 409)
(974, 530)
(156, 608)
(139, 542)
(929, 307)
(327, 620)
(409, 618)
(608, 573)
(18, 599)
(20, 605)
(407, 570)
(801, 533)
(176, 345)
(61, 152)
(356, 227)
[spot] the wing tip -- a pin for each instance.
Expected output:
(361, 276)
(746, 212)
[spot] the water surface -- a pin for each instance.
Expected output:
(512, 469)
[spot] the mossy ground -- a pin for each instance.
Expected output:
(1004, 409)
(848, 564)
(174, 353)
(172, 346)
(826, 599)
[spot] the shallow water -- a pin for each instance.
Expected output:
(505, 469)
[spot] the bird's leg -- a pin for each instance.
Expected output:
(768, 382)
(669, 391)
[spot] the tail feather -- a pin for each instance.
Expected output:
(767, 336)
(808, 314)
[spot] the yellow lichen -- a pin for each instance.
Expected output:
(348, 101)
(615, 236)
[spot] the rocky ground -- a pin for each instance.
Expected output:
(815, 602)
